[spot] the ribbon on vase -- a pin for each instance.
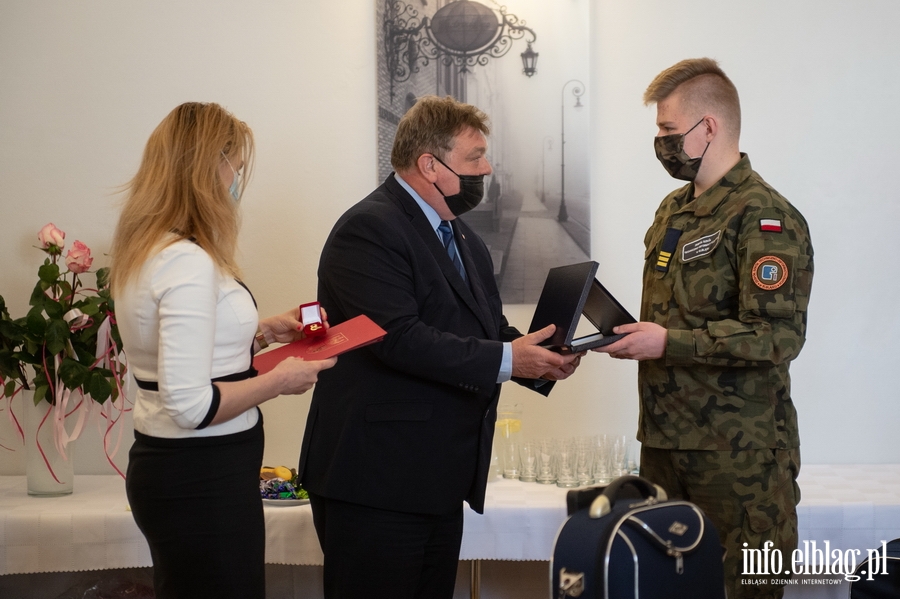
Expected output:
(111, 411)
(17, 426)
(61, 436)
(59, 410)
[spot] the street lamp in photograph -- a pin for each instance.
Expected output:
(577, 91)
(546, 145)
(464, 33)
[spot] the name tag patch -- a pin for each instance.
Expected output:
(694, 250)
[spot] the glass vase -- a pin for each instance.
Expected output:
(49, 473)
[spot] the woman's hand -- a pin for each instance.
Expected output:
(297, 376)
(290, 377)
(286, 327)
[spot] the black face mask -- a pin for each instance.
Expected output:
(670, 152)
(471, 191)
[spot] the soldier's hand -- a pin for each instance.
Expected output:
(645, 341)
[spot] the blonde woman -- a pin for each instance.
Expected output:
(189, 328)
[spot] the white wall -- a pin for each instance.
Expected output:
(83, 84)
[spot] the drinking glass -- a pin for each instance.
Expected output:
(528, 461)
(510, 459)
(546, 472)
(601, 466)
(584, 460)
(634, 458)
(507, 433)
(620, 456)
(565, 463)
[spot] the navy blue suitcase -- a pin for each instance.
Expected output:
(628, 541)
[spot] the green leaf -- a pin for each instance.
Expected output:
(40, 377)
(41, 393)
(85, 356)
(12, 331)
(106, 372)
(37, 296)
(9, 365)
(9, 389)
(117, 339)
(73, 374)
(56, 335)
(103, 277)
(99, 389)
(36, 323)
(48, 273)
(92, 306)
(53, 309)
(64, 289)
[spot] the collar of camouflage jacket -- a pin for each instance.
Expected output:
(707, 202)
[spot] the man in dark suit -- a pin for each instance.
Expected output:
(399, 433)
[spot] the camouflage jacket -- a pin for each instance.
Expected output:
(728, 274)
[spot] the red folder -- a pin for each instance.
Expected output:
(341, 338)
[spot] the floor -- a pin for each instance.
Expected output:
(499, 580)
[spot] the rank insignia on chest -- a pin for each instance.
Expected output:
(770, 225)
(667, 249)
(770, 273)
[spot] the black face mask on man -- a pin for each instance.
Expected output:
(670, 152)
(471, 191)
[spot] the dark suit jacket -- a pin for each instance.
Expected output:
(407, 424)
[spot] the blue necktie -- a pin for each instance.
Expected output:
(450, 245)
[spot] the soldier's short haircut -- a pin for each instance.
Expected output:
(703, 86)
(430, 126)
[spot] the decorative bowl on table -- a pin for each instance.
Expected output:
(279, 486)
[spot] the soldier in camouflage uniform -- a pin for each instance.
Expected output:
(727, 276)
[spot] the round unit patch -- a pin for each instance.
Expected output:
(770, 273)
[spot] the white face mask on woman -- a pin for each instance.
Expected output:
(235, 188)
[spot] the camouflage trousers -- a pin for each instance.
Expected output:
(751, 498)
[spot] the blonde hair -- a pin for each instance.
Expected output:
(178, 189)
(703, 87)
(430, 126)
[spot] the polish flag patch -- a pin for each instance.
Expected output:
(771, 225)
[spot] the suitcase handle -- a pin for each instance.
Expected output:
(605, 502)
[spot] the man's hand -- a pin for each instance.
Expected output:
(564, 371)
(530, 361)
(646, 341)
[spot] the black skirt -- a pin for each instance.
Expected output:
(197, 502)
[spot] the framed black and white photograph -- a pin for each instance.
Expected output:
(525, 64)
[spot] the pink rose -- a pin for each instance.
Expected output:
(51, 238)
(78, 259)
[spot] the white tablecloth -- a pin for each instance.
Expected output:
(520, 522)
(852, 507)
(93, 529)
